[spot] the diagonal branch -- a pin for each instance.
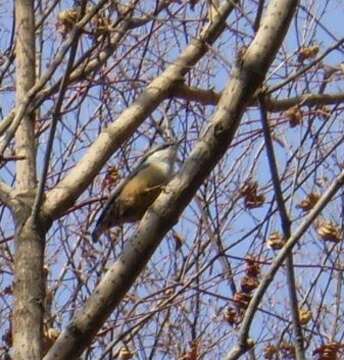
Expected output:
(12, 121)
(337, 183)
(165, 211)
(71, 187)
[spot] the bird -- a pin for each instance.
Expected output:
(132, 197)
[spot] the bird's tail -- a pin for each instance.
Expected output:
(100, 226)
(97, 231)
(103, 222)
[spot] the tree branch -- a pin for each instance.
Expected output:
(286, 228)
(164, 213)
(28, 263)
(67, 191)
(337, 183)
(12, 121)
(211, 97)
(55, 118)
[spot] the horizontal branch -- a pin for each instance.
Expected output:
(304, 100)
(211, 97)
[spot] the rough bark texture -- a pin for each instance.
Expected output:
(71, 187)
(164, 213)
(25, 75)
(29, 282)
(29, 293)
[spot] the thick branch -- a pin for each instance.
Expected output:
(29, 281)
(68, 190)
(164, 213)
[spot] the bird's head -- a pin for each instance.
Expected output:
(166, 153)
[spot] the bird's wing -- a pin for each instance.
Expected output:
(104, 219)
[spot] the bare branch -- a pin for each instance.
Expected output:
(286, 228)
(27, 314)
(56, 117)
(211, 97)
(316, 61)
(68, 190)
(15, 117)
(166, 209)
(277, 263)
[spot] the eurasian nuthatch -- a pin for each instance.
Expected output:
(135, 194)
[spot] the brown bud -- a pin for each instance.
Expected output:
(329, 231)
(230, 315)
(305, 316)
(331, 351)
(309, 201)
(275, 241)
(270, 351)
(309, 52)
(294, 115)
(242, 299)
(249, 283)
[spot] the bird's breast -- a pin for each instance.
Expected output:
(141, 191)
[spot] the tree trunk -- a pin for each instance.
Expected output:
(29, 279)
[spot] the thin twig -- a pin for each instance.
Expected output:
(306, 68)
(23, 107)
(242, 347)
(286, 228)
(55, 118)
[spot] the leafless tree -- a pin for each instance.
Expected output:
(241, 255)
